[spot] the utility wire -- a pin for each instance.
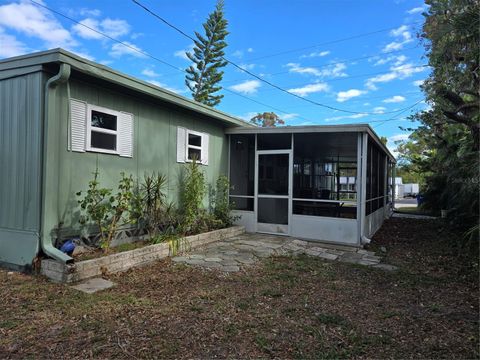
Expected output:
(257, 76)
(359, 76)
(327, 65)
(153, 57)
(381, 122)
(329, 42)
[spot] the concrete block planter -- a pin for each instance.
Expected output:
(123, 261)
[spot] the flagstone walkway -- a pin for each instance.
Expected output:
(232, 254)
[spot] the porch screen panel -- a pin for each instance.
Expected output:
(325, 175)
(242, 171)
(376, 174)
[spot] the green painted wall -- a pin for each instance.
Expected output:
(155, 131)
(20, 164)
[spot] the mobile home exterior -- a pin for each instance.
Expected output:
(49, 146)
(62, 117)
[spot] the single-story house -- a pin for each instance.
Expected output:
(62, 116)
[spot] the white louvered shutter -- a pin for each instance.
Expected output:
(181, 144)
(205, 149)
(125, 135)
(78, 125)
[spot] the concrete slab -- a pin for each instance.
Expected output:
(93, 285)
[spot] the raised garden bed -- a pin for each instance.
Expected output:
(122, 261)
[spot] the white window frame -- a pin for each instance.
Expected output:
(91, 128)
(188, 146)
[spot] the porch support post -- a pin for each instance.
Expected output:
(362, 182)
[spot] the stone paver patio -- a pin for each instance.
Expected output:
(232, 254)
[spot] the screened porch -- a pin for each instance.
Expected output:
(308, 184)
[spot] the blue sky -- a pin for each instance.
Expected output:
(301, 46)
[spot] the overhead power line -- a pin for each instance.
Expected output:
(329, 42)
(327, 65)
(360, 75)
(133, 48)
(279, 88)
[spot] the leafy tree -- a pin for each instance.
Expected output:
(267, 119)
(446, 145)
(202, 78)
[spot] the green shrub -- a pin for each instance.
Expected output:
(221, 205)
(193, 193)
(106, 210)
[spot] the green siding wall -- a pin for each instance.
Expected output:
(20, 164)
(155, 131)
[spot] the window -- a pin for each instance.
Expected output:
(98, 129)
(192, 145)
(102, 134)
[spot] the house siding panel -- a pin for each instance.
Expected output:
(154, 149)
(20, 164)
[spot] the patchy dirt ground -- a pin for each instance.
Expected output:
(284, 307)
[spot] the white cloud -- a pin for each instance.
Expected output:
(309, 89)
(398, 137)
(343, 117)
(250, 50)
(399, 31)
(10, 46)
(418, 82)
(316, 54)
(347, 95)
(86, 33)
(112, 27)
(329, 71)
(182, 54)
(405, 36)
(115, 27)
(397, 72)
(247, 66)
(394, 99)
(90, 12)
(416, 10)
(237, 53)
(334, 71)
(379, 109)
(119, 50)
(247, 87)
(150, 73)
(33, 21)
(391, 142)
(288, 116)
(296, 68)
(166, 87)
(248, 116)
(83, 54)
(398, 60)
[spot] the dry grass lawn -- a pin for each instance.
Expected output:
(283, 307)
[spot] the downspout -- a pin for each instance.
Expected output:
(45, 241)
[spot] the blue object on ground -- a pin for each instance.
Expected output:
(68, 247)
(419, 199)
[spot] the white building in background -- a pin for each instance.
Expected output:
(411, 189)
(399, 188)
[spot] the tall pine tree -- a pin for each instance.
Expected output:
(203, 77)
